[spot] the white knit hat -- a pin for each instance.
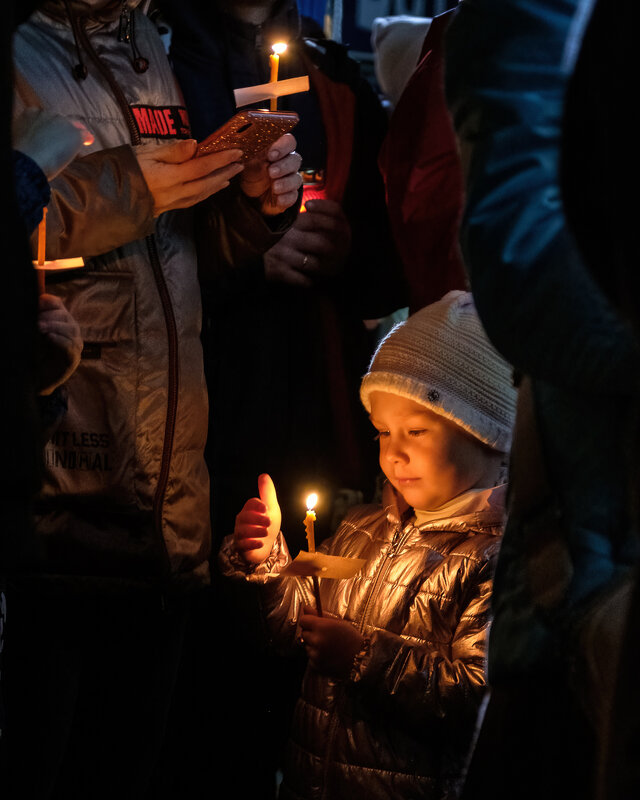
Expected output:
(441, 358)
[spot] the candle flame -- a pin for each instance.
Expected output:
(312, 499)
(279, 47)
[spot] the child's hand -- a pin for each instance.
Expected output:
(331, 643)
(258, 524)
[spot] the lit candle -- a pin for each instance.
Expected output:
(309, 519)
(42, 246)
(274, 62)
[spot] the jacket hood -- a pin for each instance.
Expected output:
(93, 15)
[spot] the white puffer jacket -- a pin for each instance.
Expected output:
(126, 494)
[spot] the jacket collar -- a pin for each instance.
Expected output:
(395, 506)
(489, 517)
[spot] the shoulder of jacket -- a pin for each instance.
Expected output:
(151, 30)
(483, 545)
(475, 545)
(364, 518)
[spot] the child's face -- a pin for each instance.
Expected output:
(428, 459)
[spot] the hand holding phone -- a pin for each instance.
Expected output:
(273, 179)
(252, 131)
(178, 180)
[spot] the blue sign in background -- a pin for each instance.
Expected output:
(314, 9)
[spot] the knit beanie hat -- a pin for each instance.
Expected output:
(441, 358)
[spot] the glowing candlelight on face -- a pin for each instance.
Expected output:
(309, 519)
(274, 62)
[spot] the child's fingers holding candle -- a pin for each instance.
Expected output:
(331, 643)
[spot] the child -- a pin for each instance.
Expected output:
(396, 664)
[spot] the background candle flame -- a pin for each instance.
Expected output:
(312, 499)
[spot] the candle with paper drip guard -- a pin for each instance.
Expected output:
(42, 265)
(274, 63)
(309, 521)
(320, 565)
(42, 244)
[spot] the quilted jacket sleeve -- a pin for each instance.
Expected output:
(101, 201)
(98, 202)
(282, 598)
(418, 683)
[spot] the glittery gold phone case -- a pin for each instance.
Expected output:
(253, 132)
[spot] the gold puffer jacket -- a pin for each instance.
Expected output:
(401, 727)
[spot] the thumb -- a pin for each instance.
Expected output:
(176, 152)
(267, 491)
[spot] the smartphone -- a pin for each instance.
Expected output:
(252, 131)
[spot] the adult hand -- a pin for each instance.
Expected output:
(258, 524)
(331, 643)
(317, 245)
(274, 179)
(177, 180)
(50, 140)
(61, 344)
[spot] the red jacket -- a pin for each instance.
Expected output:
(421, 167)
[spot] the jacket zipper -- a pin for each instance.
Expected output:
(399, 538)
(167, 309)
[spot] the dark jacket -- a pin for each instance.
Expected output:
(32, 189)
(308, 347)
(420, 163)
(540, 305)
(570, 541)
(213, 53)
